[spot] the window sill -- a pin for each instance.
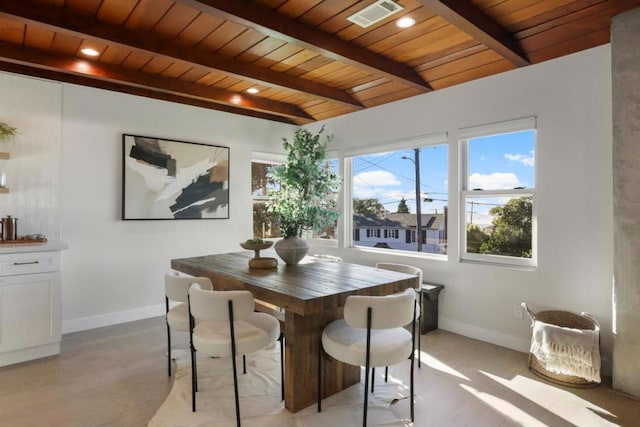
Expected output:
(520, 267)
(400, 253)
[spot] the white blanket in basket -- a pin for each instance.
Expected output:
(567, 351)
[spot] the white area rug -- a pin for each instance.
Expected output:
(260, 403)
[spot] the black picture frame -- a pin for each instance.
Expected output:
(170, 179)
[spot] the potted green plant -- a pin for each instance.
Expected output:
(305, 200)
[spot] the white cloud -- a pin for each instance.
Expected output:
(377, 178)
(527, 160)
(494, 181)
(375, 184)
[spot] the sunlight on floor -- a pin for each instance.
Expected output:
(434, 363)
(556, 400)
(506, 408)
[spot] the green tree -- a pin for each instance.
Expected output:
(402, 206)
(475, 238)
(367, 206)
(511, 234)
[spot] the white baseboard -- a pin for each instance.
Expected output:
(108, 319)
(486, 335)
(31, 353)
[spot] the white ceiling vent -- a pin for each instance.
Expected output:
(374, 13)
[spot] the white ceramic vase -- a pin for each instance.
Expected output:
(291, 249)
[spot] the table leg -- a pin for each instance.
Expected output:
(302, 338)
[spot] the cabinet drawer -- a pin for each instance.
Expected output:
(29, 262)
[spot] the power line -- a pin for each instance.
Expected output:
(427, 187)
(374, 164)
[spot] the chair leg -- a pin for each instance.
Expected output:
(386, 374)
(235, 389)
(168, 350)
(195, 368)
(419, 331)
(282, 365)
(320, 377)
(366, 369)
(419, 348)
(244, 364)
(366, 395)
(413, 347)
(194, 376)
(411, 391)
(166, 305)
(233, 359)
(373, 378)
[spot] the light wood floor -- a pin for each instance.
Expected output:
(116, 376)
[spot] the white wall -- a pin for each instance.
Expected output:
(113, 270)
(571, 98)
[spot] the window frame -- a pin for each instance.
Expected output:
(346, 240)
(266, 158)
(495, 129)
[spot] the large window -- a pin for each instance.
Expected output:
(264, 225)
(497, 196)
(400, 195)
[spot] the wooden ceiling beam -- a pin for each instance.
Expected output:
(469, 18)
(130, 90)
(90, 69)
(62, 20)
(271, 23)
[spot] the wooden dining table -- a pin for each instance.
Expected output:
(312, 294)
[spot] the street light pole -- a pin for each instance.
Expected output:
(416, 163)
(418, 201)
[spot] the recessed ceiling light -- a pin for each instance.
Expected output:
(236, 99)
(89, 51)
(253, 90)
(405, 22)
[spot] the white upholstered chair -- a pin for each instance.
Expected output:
(176, 288)
(371, 334)
(415, 271)
(224, 324)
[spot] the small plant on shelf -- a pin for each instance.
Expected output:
(7, 132)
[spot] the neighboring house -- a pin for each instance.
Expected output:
(398, 231)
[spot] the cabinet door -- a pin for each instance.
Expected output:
(29, 310)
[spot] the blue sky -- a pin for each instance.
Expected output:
(496, 162)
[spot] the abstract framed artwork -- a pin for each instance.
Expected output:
(168, 179)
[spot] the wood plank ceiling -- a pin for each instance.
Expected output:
(306, 59)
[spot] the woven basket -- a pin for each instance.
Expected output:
(567, 320)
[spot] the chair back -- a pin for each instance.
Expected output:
(213, 306)
(176, 288)
(402, 268)
(391, 311)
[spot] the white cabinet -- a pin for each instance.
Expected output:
(30, 325)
